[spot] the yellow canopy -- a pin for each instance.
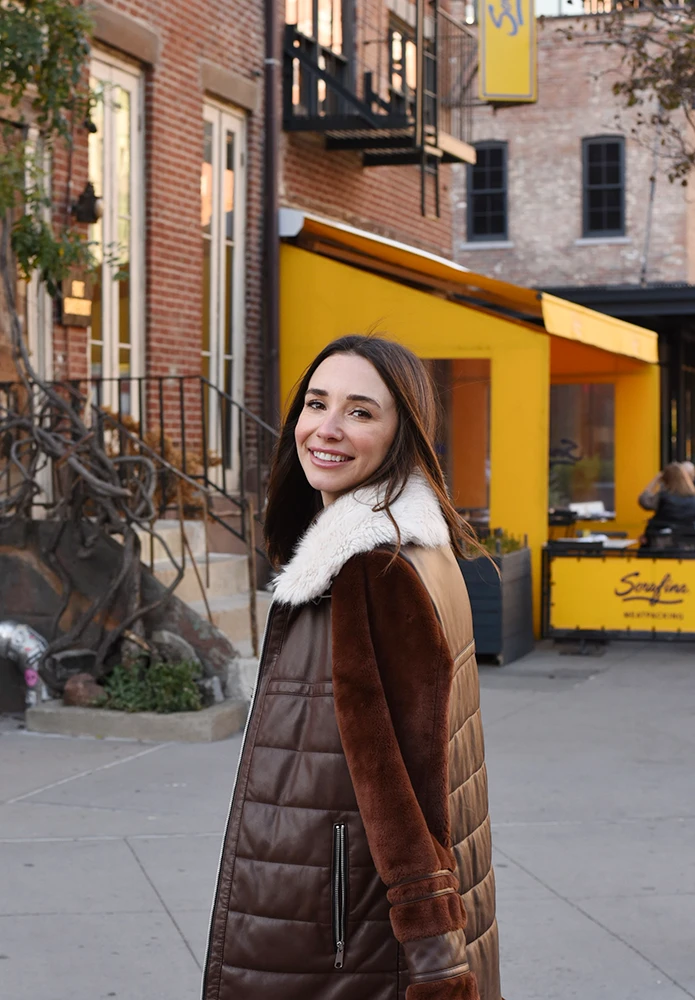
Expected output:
(430, 272)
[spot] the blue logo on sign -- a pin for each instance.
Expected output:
(512, 13)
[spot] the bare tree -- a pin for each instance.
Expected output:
(654, 45)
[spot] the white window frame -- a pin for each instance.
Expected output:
(110, 70)
(223, 119)
(39, 304)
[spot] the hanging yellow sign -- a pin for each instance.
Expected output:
(507, 51)
(622, 594)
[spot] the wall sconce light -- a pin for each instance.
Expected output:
(88, 207)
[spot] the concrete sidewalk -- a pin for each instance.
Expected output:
(108, 849)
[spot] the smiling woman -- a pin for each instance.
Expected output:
(343, 436)
(357, 858)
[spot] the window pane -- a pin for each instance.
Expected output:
(229, 187)
(494, 157)
(228, 319)
(124, 305)
(595, 174)
(305, 18)
(206, 179)
(123, 143)
(582, 444)
(612, 173)
(206, 295)
(614, 220)
(612, 152)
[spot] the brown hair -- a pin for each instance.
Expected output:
(677, 481)
(293, 502)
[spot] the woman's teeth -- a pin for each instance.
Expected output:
(325, 457)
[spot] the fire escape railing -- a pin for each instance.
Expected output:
(404, 97)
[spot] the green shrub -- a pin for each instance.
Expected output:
(154, 687)
(499, 543)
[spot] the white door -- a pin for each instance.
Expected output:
(116, 171)
(223, 222)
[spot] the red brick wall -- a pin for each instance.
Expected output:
(229, 33)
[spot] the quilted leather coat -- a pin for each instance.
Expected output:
(356, 863)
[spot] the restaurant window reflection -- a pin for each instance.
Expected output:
(582, 435)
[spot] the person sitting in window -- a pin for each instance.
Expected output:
(675, 511)
(649, 497)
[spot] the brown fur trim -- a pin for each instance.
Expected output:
(460, 988)
(391, 677)
(428, 917)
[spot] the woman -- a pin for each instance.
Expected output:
(358, 843)
(675, 507)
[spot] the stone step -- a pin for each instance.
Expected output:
(170, 531)
(228, 576)
(231, 615)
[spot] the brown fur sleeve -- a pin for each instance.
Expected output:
(391, 678)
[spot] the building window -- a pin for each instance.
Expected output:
(604, 186)
(487, 193)
(223, 226)
(582, 450)
(321, 20)
(116, 171)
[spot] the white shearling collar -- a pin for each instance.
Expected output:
(349, 527)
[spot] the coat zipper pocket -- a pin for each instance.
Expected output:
(340, 891)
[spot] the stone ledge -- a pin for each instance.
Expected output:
(218, 722)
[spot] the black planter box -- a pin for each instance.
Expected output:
(502, 605)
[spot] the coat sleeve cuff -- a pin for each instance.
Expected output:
(464, 987)
(433, 958)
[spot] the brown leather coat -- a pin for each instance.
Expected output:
(358, 843)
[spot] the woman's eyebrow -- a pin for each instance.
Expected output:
(353, 397)
(363, 399)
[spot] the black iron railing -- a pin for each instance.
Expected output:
(210, 454)
(401, 94)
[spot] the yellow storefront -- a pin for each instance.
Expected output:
(503, 347)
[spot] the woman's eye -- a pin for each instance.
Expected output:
(314, 404)
(362, 413)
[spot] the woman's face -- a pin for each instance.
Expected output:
(347, 425)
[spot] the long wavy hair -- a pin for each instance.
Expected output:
(293, 502)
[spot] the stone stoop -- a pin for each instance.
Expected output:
(227, 596)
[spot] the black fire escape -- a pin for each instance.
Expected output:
(400, 97)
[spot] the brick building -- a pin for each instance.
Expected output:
(567, 198)
(175, 153)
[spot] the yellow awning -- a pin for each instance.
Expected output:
(437, 274)
(573, 322)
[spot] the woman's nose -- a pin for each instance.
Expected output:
(330, 428)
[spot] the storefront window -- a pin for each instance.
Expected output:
(582, 444)
(463, 436)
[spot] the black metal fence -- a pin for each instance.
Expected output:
(209, 452)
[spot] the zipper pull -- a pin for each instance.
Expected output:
(339, 954)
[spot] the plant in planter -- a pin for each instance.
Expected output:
(501, 598)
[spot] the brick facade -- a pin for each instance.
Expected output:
(545, 179)
(170, 42)
(227, 34)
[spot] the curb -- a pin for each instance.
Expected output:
(218, 722)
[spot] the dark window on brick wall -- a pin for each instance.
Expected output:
(604, 186)
(487, 193)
